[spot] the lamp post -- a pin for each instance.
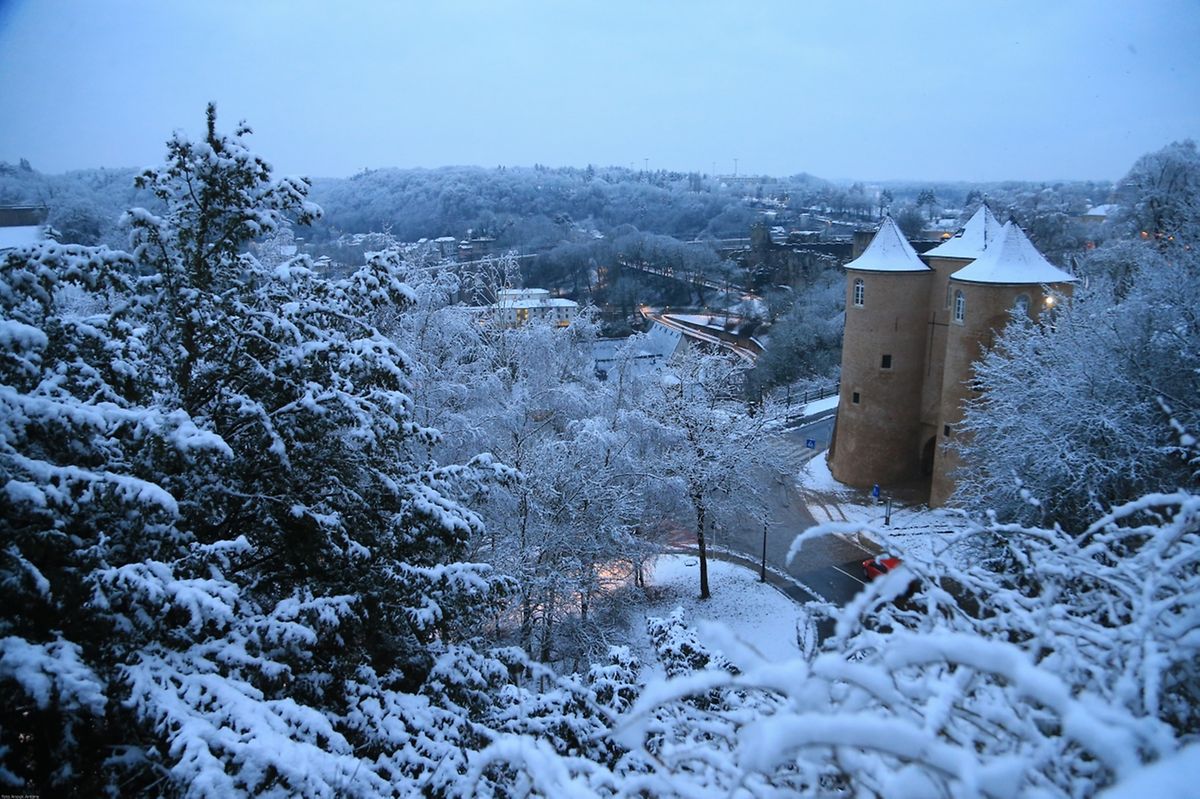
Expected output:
(762, 573)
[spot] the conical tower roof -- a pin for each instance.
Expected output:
(888, 251)
(1013, 260)
(972, 239)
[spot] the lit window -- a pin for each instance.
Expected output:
(860, 291)
(960, 306)
(887, 362)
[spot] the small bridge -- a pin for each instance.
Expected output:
(685, 276)
(745, 347)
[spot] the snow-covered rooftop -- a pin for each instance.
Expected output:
(644, 353)
(888, 251)
(1012, 260)
(972, 239)
(1108, 209)
(530, 298)
(521, 294)
(662, 341)
(19, 236)
(536, 302)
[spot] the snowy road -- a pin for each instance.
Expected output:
(828, 567)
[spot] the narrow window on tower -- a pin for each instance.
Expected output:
(886, 363)
(860, 291)
(960, 306)
(854, 397)
(945, 431)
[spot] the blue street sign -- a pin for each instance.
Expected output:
(811, 443)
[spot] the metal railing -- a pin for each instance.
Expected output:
(796, 402)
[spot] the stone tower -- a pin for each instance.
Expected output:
(914, 327)
(1010, 277)
(883, 349)
(945, 259)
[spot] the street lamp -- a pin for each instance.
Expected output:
(762, 572)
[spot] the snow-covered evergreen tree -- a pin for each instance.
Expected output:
(225, 540)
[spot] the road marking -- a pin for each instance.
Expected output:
(848, 574)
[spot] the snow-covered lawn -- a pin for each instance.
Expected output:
(916, 532)
(756, 613)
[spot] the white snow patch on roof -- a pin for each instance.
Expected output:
(972, 239)
(1013, 260)
(888, 251)
(1108, 209)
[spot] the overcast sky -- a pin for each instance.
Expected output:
(872, 90)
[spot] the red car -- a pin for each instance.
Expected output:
(879, 566)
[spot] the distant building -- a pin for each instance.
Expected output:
(477, 248)
(21, 226)
(657, 348)
(914, 327)
(446, 247)
(1099, 213)
(515, 307)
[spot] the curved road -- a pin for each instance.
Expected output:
(829, 567)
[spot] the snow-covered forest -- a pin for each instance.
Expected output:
(577, 226)
(269, 532)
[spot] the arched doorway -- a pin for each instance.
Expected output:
(927, 456)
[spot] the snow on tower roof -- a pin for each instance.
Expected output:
(971, 239)
(1012, 260)
(888, 251)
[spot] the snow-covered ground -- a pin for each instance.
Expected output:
(821, 406)
(917, 531)
(814, 408)
(759, 615)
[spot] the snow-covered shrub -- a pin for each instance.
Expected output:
(1070, 419)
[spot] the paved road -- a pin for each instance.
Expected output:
(828, 567)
